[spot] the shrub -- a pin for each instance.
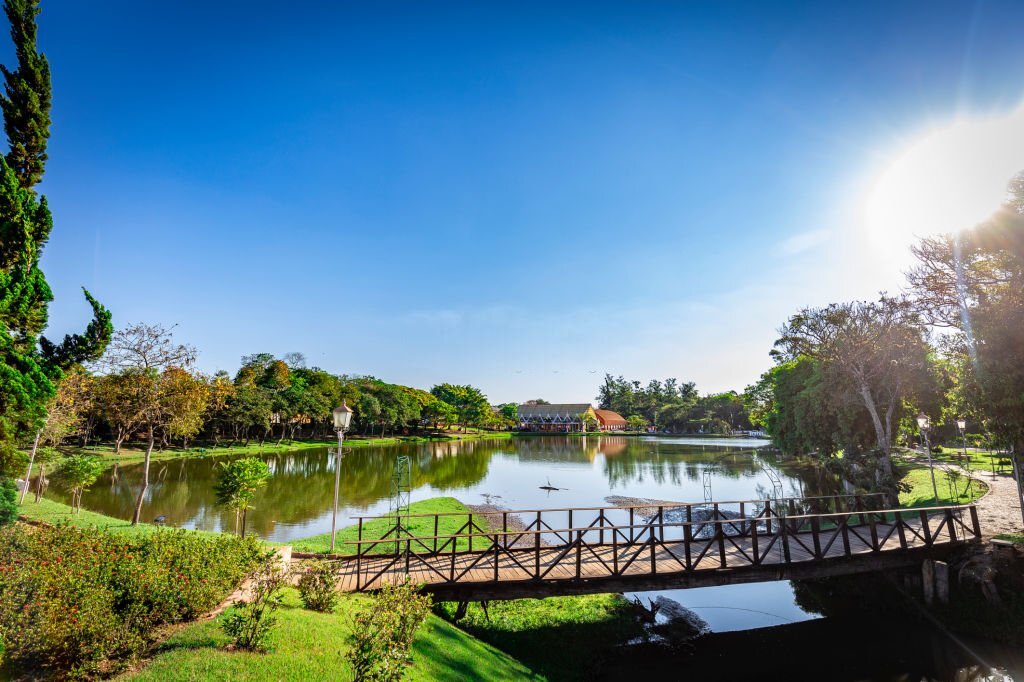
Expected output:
(82, 601)
(8, 501)
(318, 586)
(250, 622)
(382, 633)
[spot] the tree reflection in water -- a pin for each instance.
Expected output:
(297, 500)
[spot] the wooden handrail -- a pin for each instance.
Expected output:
(649, 505)
(663, 524)
(796, 539)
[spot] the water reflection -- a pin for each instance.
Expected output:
(840, 650)
(297, 500)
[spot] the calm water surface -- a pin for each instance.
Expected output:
(297, 501)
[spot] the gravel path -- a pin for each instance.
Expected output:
(999, 510)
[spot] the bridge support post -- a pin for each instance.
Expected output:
(928, 581)
(942, 582)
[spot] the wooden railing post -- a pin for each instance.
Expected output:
(975, 524)
(615, 552)
(950, 525)
(632, 539)
(437, 520)
(579, 553)
(768, 516)
(753, 541)
(928, 539)
(661, 522)
(873, 528)
(785, 543)
(496, 557)
(721, 542)
(536, 549)
(815, 527)
(901, 529)
(845, 532)
(504, 527)
(359, 559)
(687, 540)
(470, 533)
(654, 558)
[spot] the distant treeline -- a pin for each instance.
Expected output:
(673, 406)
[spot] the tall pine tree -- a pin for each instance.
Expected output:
(30, 365)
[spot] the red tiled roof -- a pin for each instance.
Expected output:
(609, 418)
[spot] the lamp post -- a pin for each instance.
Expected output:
(961, 424)
(342, 419)
(923, 423)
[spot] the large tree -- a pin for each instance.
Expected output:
(157, 395)
(873, 352)
(30, 365)
(973, 282)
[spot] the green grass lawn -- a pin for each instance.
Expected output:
(562, 638)
(52, 512)
(310, 646)
(420, 527)
(131, 453)
(1011, 537)
(977, 459)
(922, 495)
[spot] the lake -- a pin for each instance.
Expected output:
(508, 473)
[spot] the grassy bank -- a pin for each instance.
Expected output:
(562, 638)
(48, 511)
(921, 493)
(310, 646)
(420, 527)
(133, 452)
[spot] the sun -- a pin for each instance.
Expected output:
(946, 180)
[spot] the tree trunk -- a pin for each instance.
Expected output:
(884, 464)
(31, 461)
(145, 477)
(869, 402)
(244, 514)
(39, 483)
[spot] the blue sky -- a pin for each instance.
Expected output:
(518, 196)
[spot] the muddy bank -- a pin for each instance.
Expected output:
(496, 516)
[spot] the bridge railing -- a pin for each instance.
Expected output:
(550, 518)
(604, 547)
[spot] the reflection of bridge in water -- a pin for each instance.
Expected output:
(534, 553)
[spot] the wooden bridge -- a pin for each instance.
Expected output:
(536, 553)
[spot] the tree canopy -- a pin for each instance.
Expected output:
(30, 365)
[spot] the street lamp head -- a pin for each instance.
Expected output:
(961, 423)
(342, 417)
(923, 422)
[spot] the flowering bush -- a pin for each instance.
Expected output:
(382, 633)
(250, 622)
(79, 602)
(318, 585)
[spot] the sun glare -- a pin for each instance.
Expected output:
(946, 180)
